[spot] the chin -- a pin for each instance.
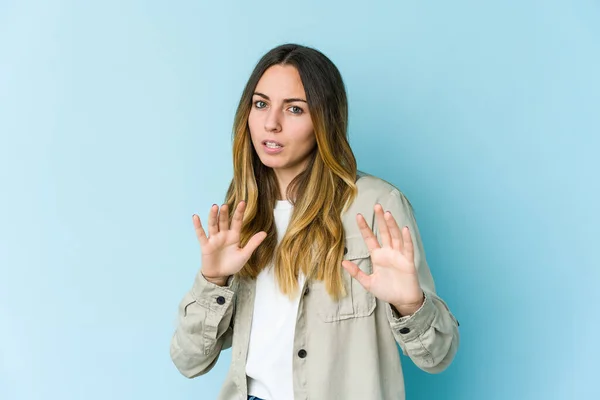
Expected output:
(270, 162)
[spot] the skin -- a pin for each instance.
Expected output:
(394, 278)
(280, 113)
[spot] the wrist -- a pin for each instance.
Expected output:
(219, 281)
(409, 309)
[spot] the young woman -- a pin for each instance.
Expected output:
(311, 300)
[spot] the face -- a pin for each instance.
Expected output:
(280, 125)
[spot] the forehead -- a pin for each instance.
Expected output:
(281, 81)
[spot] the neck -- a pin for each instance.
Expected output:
(283, 180)
(285, 176)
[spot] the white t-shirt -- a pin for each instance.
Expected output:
(271, 348)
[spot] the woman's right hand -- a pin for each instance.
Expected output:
(221, 252)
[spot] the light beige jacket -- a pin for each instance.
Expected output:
(342, 350)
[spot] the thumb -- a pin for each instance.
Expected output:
(357, 273)
(253, 244)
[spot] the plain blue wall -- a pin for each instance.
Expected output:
(115, 122)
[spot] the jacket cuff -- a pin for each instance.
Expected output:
(410, 327)
(213, 297)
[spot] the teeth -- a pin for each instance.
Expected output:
(272, 145)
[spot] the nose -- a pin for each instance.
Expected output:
(272, 122)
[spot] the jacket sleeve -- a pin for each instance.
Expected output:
(430, 336)
(205, 327)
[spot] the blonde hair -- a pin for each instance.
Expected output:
(314, 240)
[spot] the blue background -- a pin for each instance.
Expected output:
(115, 123)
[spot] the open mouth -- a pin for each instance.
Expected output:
(271, 144)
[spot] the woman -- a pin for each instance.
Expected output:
(272, 286)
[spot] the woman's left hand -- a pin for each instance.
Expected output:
(394, 279)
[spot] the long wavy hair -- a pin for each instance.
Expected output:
(314, 240)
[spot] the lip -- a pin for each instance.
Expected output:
(264, 142)
(269, 150)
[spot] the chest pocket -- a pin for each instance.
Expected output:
(358, 302)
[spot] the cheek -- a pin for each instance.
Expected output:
(308, 136)
(253, 124)
(310, 141)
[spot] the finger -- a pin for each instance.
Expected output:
(409, 250)
(253, 244)
(200, 234)
(367, 233)
(224, 218)
(357, 273)
(384, 233)
(238, 216)
(397, 241)
(213, 228)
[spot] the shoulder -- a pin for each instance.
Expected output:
(375, 189)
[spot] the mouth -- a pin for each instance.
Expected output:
(272, 144)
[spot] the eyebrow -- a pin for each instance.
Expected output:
(285, 100)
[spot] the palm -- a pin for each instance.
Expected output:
(222, 252)
(394, 278)
(222, 255)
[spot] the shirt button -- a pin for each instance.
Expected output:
(221, 300)
(404, 331)
(302, 353)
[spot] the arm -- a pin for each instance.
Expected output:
(205, 313)
(429, 336)
(205, 327)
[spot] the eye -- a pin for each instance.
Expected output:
(260, 104)
(296, 110)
